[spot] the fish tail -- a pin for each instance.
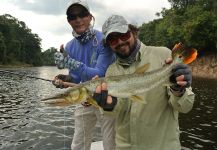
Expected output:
(187, 55)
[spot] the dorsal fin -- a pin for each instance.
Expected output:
(142, 69)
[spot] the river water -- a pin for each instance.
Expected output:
(26, 123)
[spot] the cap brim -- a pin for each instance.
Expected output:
(119, 29)
(81, 4)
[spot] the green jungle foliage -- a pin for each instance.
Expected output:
(48, 56)
(18, 45)
(192, 22)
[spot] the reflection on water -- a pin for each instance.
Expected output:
(27, 124)
(199, 126)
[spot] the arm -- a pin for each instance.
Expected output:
(184, 103)
(85, 72)
(104, 59)
(180, 93)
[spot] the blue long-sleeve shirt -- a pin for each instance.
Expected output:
(94, 58)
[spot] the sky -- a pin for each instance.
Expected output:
(47, 17)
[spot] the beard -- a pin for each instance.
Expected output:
(124, 55)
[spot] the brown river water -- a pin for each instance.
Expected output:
(26, 123)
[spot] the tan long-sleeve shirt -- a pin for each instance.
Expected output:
(152, 125)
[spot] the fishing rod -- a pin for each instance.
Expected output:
(33, 77)
(5, 71)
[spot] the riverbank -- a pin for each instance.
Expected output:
(205, 67)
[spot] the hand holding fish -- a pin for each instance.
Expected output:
(181, 77)
(102, 98)
(62, 81)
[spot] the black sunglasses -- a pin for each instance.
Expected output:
(80, 15)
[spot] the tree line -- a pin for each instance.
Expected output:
(193, 22)
(18, 45)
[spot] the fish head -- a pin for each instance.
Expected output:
(77, 95)
(70, 97)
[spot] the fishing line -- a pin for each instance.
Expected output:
(64, 130)
(83, 126)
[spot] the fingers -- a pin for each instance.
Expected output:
(58, 83)
(109, 100)
(168, 60)
(180, 78)
(183, 80)
(104, 86)
(182, 83)
(98, 89)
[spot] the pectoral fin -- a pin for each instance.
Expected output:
(142, 69)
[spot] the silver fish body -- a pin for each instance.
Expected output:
(121, 86)
(124, 86)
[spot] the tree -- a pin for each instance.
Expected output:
(48, 56)
(193, 22)
(2, 50)
(21, 45)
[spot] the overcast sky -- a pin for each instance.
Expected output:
(47, 17)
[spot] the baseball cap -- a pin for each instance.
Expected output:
(78, 2)
(114, 23)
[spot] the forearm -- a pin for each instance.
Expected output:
(85, 72)
(184, 103)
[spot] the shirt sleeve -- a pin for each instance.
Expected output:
(184, 103)
(104, 59)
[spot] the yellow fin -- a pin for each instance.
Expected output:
(142, 69)
(138, 99)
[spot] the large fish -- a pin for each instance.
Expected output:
(125, 86)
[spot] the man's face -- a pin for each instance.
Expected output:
(79, 18)
(121, 43)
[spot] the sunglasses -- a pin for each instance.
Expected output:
(80, 15)
(114, 39)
